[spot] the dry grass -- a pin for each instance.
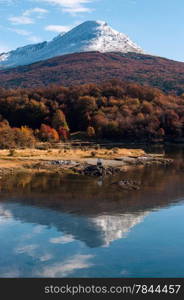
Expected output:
(76, 154)
(30, 156)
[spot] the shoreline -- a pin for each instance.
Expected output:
(74, 161)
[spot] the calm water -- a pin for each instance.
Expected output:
(81, 227)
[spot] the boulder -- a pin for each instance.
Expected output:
(128, 184)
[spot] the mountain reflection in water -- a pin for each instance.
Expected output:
(50, 223)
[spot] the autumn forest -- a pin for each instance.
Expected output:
(113, 110)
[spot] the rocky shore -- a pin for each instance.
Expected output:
(80, 164)
(89, 167)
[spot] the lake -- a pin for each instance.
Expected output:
(73, 226)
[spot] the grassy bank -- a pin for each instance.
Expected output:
(75, 160)
(20, 159)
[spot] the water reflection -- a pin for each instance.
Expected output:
(52, 226)
(94, 231)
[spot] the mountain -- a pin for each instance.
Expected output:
(89, 36)
(96, 231)
(96, 67)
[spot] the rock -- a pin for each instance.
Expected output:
(129, 160)
(93, 170)
(62, 162)
(128, 184)
(153, 160)
(145, 160)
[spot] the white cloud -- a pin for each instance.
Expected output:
(34, 39)
(30, 36)
(7, 2)
(37, 10)
(32, 250)
(69, 266)
(76, 10)
(5, 212)
(57, 28)
(38, 229)
(46, 257)
(20, 20)
(71, 6)
(28, 16)
(27, 249)
(21, 31)
(11, 274)
(3, 49)
(62, 239)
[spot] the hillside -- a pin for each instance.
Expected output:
(96, 67)
(112, 111)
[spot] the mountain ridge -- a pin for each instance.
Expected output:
(86, 37)
(96, 67)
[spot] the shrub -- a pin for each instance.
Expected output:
(93, 154)
(12, 152)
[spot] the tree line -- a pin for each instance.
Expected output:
(113, 110)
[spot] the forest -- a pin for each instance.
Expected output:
(95, 67)
(113, 110)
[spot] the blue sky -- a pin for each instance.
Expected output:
(156, 25)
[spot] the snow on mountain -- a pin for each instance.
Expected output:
(95, 231)
(113, 228)
(89, 36)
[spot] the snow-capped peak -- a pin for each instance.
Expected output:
(89, 36)
(109, 40)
